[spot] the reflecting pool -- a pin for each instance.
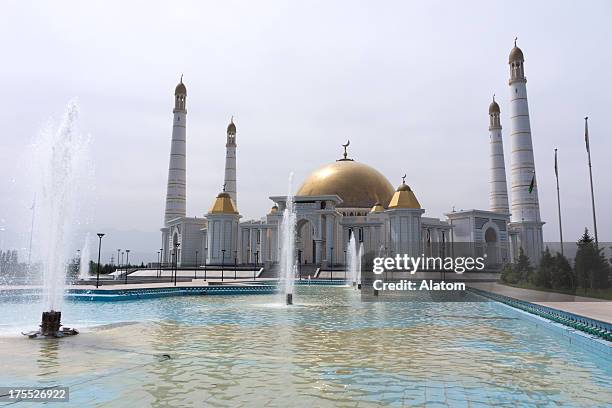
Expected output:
(330, 349)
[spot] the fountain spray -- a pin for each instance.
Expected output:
(84, 261)
(62, 157)
(288, 259)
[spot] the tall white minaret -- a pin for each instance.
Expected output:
(230, 162)
(177, 172)
(525, 220)
(498, 195)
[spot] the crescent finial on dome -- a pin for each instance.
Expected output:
(347, 144)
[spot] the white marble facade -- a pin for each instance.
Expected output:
(347, 197)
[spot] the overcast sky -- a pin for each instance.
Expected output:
(409, 83)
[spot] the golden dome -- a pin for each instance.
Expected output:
(493, 107)
(377, 208)
(180, 89)
(231, 128)
(404, 198)
(273, 210)
(223, 205)
(516, 54)
(357, 184)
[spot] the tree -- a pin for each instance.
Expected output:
(591, 267)
(563, 274)
(508, 274)
(543, 275)
(518, 272)
(523, 266)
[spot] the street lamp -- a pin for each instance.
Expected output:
(235, 263)
(176, 246)
(205, 260)
(158, 264)
(127, 264)
(256, 259)
(100, 235)
(222, 263)
(161, 258)
(300, 263)
(331, 276)
(195, 270)
(118, 264)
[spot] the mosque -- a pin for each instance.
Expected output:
(347, 197)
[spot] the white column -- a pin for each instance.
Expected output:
(525, 205)
(177, 174)
(230, 163)
(498, 193)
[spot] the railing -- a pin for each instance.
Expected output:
(584, 324)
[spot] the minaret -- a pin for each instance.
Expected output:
(498, 195)
(177, 173)
(525, 220)
(230, 162)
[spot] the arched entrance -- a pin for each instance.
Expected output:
(305, 243)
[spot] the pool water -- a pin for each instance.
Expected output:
(330, 349)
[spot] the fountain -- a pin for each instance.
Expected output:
(61, 155)
(352, 259)
(288, 262)
(354, 256)
(359, 264)
(84, 261)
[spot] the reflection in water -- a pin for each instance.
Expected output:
(333, 349)
(48, 359)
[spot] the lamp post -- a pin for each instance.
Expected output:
(222, 263)
(176, 246)
(118, 264)
(300, 263)
(205, 260)
(172, 256)
(256, 260)
(331, 275)
(195, 270)
(127, 263)
(158, 264)
(161, 258)
(235, 263)
(100, 235)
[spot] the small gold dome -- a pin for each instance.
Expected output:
(493, 107)
(223, 205)
(377, 208)
(180, 89)
(404, 198)
(231, 128)
(274, 209)
(516, 55)
(357, 184)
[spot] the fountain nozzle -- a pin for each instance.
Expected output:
(289, 298)
(50, 326)
(51, 322)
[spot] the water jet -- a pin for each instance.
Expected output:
(288, 262)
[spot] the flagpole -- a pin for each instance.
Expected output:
(586, 138)
(558, 202)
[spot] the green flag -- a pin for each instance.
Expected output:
(532, 184)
